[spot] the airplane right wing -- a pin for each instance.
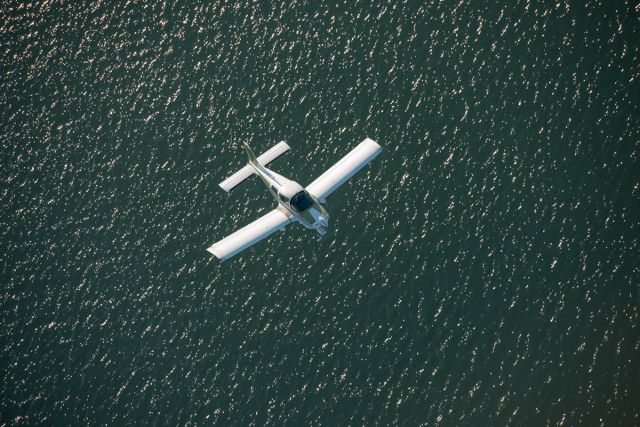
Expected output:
(250, 234)
(339, 173)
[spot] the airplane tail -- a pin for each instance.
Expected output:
(252, 157)
(263, 160)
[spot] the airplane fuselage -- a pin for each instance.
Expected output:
(294, 199)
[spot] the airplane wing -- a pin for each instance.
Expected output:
(250, 234)
(339, 173)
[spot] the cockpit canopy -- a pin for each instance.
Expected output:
(301, 201)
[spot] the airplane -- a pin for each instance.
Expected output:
(295, 203)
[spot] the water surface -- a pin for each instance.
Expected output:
(483, 270)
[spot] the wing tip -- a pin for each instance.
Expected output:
(372, 142)
(212, 250)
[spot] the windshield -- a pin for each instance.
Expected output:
(301, 201)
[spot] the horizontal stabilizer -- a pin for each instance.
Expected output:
(346, 167)
(267, 157)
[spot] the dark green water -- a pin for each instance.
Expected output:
(483, 270)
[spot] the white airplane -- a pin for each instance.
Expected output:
(295, 203)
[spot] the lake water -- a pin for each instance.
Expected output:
(483, 270)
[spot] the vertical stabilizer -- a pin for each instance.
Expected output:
(252, 157)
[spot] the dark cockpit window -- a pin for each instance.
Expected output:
(284, 198)
(301, 201)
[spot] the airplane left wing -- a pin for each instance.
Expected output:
(250, 234)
